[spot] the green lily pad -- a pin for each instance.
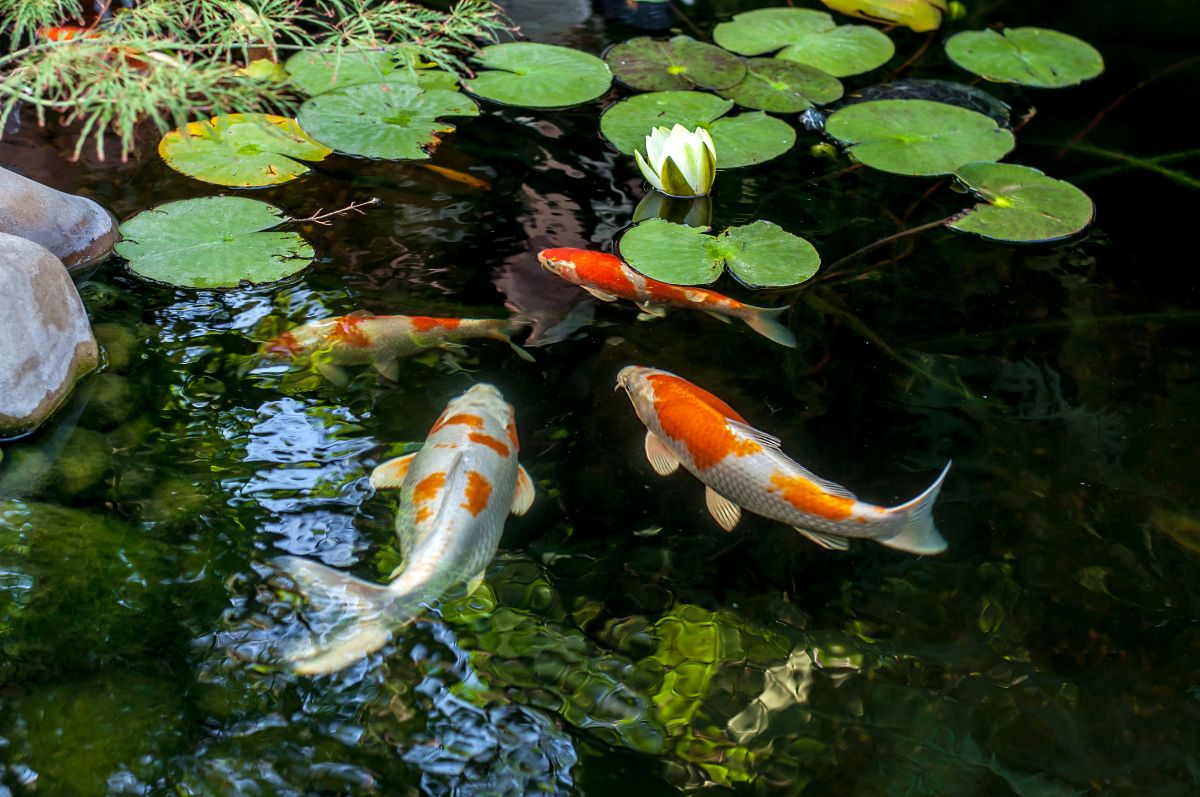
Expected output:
(917, 137)
(741, 140)
(1021, 204)
(680, 63)
(316, 73)
(759, 254)
(1029, 56)
(212, 242)
(396, 121)
(531, 75)
(241, 150)
(772, 84)
(806, 37)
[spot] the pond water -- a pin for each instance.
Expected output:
(621, 643)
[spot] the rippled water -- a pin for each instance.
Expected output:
(621, 643)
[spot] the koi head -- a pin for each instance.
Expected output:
(483, 409)
(634, 378)
(298, 341)
(560, 261)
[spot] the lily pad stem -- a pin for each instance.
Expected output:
(834, 267)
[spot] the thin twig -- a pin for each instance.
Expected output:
(319, 217)
(915, 56)
(833, 268)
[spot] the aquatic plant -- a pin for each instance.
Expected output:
(679, 162)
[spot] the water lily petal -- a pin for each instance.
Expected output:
(655, 142)
(647, 172)
(680, 151)
(673, 181)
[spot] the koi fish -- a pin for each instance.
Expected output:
(362, 338)
(607, 278)
(64, 33)
(455, 494)
(743, 468)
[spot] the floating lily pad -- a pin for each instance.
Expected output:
(680, 63)
(806, 37)
(917, 137)
(531, 75)
(970, 97)
(919, 15)
(397, 121)
(241, 150)
(759, 254)
(741, 140)
(316, 73)
(1022, 204)
(772, 84)
(1030, 56)
(212, 242)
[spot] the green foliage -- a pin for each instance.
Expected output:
(170, 62)
(531, 75)
(397, 121)
(21, 19)
(213, 242)
(917, 137)
(241, 150)
(741, 140)
(807, 37)
(772, 84)
(760, 254)
(1029, 56)
(1021, 204)
(677, 64)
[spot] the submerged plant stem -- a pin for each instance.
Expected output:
(833, 268)
(1147, 164)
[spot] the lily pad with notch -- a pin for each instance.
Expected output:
(807, 37)
(917, 137)
(314, 72)
(760, 254)
(741, 140)
(1021, 204)
(772, 84)
(917, 15)
(395, 121)
(532, 75)
(212, 242)
(241, 150)
(1037, 57)
(679, 63)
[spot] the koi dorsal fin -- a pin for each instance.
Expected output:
(762, 438)
(360, 314)
(773, 444)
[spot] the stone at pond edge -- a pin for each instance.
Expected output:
(46, 342)
(77, 230)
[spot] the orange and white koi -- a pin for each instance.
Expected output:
(455, 494)
(743, 468)
(382, 340)
(608, 278)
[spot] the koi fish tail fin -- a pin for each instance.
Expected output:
(506, 329)
(765, 321)
(348, 618)
(916, 532)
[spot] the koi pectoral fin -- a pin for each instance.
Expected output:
(599, 294)
(826, 541)
(390, 475)
(388, 369)
(662, 459)
(726, 512)
(651, 309)
(523, 493)
(334, 373)
(719, 316)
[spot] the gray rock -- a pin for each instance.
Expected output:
(46, 342)
(77, 230)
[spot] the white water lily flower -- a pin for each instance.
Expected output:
(679, 162)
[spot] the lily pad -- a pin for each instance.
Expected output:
(241, 150)
(759, 254)
(741, 140)
(531, 75)
(917, 137)
(972, 98)
(772, 84)
(315, 72)
(680, 63)
(807, 37)
(212, 242)
(918, 15)
(396, 121)
(1021, 204)
(1035, 57)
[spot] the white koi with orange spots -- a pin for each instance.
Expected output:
(743, 468)
(455, 494)
(381, 340)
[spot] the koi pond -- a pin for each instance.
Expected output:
(622, 643)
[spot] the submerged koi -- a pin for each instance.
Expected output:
(608, 278)
(743, 468)
(455, 494)
(382, 340)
